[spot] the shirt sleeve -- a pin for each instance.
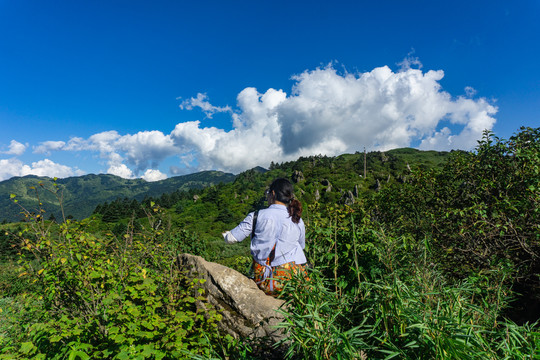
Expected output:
(243, 230)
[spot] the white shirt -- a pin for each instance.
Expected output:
(274, 227)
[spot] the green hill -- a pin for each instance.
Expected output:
(321, 179)
(80, 195)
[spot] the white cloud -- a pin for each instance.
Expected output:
(254, 140)
(470, 91)
(143, 149)
(153, 175)
(10, 168)
(16, 148)
(201, 101)
(410, 61)
(49, 168)
(146, 148)
(47, 146)
(121, 170)
(331, 113)
(46, 167)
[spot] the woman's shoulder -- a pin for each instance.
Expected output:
(278, 213)
(273, 212)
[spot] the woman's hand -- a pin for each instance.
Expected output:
(229, 238)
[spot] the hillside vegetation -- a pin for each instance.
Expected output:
(427, 255)
(80, 195)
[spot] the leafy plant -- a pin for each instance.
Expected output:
(108, 297)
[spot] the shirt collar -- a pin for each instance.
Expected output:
(277, 206)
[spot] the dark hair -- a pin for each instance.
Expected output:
(283, 190)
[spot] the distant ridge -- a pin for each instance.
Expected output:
(259, 169)
(82, 194)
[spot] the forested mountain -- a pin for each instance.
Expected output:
(80, 195)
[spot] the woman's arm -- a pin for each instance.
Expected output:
(240, 232)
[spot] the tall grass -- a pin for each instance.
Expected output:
(389, 301)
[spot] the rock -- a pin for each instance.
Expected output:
(195, 198)
(247, 311)
(328, 185)
(348, 198)
(317, 195)
(297, 176)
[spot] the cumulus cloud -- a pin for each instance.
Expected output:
(15, 148)
(10, 168)
(142, 150)
(331, 113)
(146, 148)
(153, 175)
(253, 141)
(121, 170)
(46, 167)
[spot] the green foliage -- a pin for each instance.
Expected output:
(402, 307)
(338, 234)
(480, 210)
(317, 321)
(9, 245)
(240, 263)
(183, 241)
(10, 282)
(108, 297)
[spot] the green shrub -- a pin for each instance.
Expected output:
(480, 209)
(10, 282)
(108, 297)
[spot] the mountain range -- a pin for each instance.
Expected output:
(80, 195)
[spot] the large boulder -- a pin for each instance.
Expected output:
(247, 311)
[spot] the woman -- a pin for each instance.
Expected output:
(277, 238)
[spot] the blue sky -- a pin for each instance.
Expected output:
(162, 88)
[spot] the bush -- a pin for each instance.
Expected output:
(480, 212)
(109, 298)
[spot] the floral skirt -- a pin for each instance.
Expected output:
(273, 284)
